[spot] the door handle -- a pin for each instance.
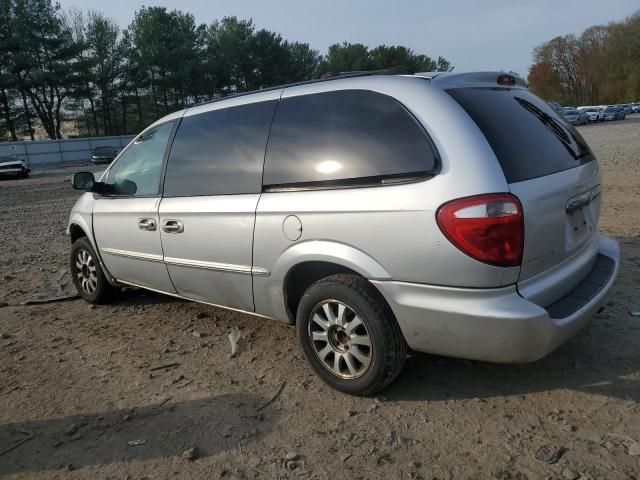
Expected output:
(172, 226)
(147, 224)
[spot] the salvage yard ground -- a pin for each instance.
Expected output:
(125, 391)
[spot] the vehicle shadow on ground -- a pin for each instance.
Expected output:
(212, 425)
(571, 367)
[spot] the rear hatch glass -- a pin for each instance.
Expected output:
(528, 137)
(549, 167)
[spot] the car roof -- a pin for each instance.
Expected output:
(439, 79)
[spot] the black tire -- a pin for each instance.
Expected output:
(87, 274)
(387, 352)
(23, 174)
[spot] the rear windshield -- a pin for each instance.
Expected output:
(529, 139)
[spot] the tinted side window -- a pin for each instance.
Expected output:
(137, 171)
(527, 136)
(219, 152)
(344, 135)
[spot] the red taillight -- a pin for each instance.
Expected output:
(506, 80)
(488, 228)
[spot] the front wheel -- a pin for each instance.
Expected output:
(87, 274)
(349, 335)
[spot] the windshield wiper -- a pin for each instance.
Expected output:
(555, 127)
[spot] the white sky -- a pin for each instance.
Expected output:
(472, 34)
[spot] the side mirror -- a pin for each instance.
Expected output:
(83, 181)
(127, 187)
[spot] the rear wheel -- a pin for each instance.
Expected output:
(349, 335)
(88, 277)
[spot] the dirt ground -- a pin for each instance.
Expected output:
(81, 394)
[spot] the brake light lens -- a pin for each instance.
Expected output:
(506, 80)
(488, 228)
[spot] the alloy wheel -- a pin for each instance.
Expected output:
(86, 271)
(340, 339)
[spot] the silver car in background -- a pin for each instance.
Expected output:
(447, 213)
(575, 116)
(594, 114)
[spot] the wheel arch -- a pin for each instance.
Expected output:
(77, 228)
(76, 232)
(307, 262)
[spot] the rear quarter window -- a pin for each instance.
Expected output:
(345, 137)
(527, 136)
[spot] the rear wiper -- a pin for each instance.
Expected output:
(553, 125)
(546, 119)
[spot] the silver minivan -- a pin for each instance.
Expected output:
(454, 214)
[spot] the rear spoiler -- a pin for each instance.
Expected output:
(474, 79)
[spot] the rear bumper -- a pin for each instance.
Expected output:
(497, 325)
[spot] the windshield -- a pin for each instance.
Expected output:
(570, 111)
(611, 109)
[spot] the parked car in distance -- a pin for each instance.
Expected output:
(613, 112)
(627, 108)
(574, 117)
(377, 212)
(636, 107)
(594, 114)
(14, 167)
(104, 154)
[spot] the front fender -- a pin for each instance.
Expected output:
(82, 216)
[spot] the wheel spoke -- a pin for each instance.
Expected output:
(324, 352)
(361, 340)
(336, 363)
(78, 265)
(320, 337)
(348, 360)
(341, 311)
(321, 322)
(353, 324)
(362, 358)
(329, 313)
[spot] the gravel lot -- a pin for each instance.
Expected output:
(78, 384)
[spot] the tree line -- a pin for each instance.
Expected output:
(599, 66)
(72, 67)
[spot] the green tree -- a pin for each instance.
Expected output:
(346, 57)
(106, 53)
(43, 60)
(228, 46)
(164, 46)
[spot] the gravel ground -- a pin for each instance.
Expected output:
(126, 391)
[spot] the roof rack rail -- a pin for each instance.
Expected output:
(325, 77)
(365, 73)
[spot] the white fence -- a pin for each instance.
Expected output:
(60, 151)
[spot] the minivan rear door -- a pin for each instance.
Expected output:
(547, 165)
